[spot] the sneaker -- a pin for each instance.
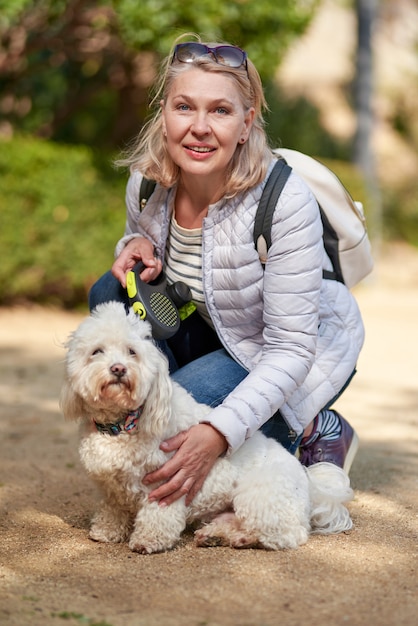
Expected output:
(339, 451)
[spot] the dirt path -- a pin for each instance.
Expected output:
(51, 574)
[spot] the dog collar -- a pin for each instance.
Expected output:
(127, 424)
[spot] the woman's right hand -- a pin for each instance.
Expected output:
(138, 249)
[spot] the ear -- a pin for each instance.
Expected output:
(71, 403)
(248, 123)
(157, 409)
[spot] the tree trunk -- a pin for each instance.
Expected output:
(363, 152)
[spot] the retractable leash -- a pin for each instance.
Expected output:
(164, 306)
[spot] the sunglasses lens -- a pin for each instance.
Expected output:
(188, 52)
(229, 55)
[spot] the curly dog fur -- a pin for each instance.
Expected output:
(261, 496)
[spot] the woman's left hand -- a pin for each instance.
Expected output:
(184, 474)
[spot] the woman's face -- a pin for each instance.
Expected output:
(204, 120)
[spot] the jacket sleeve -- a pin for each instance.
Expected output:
(291, 296)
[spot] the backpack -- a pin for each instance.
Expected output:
(344, 226)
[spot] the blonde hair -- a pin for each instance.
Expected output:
(250, 162)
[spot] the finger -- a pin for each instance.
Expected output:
(148, 256)
(171, 490)
(184, 490)
(150, 273)
(123, 263)
(173, 443)
(156, 476)
(119, 273)
(193, 491)
(166, 472)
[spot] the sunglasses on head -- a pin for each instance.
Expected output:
(231, 56)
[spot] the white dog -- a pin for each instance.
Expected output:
(117, 384)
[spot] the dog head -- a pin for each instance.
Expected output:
(112, 367)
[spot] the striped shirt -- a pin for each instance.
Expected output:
(183, 261)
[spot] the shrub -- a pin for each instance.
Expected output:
(62, 211)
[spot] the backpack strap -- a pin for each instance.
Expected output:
(331, 241)
(145, 191)
(266, 207)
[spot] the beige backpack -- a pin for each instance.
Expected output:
(345, 233)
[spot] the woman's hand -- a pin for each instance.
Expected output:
(138, 249)
(184, 474)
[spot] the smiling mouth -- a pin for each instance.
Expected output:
(200, 149)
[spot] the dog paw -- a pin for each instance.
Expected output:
(143, 546)
(141, 549)
(204, 540)
(106, 535)
(245, 541)
(226, 531)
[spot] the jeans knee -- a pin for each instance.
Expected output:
(94, 296)
(105, 289)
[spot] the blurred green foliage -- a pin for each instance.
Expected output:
(62, 210)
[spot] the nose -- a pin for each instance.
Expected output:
(118, 370)
(200, 125)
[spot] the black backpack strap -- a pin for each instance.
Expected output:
(330, 239)
(145, 191)
(268, 201)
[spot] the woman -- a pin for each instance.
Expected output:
(267, 347)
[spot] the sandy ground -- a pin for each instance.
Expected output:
(50, 573)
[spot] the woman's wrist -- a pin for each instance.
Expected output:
(219, 439)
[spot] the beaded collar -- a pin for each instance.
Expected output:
(127, 424)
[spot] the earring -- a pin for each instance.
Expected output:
(242, 140)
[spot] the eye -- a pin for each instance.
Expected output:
(132, 352)
(221, 111)
(97, 351)
(183, 107)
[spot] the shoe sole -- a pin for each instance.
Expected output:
(351, 453)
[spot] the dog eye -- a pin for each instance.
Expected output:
(97, 351)
(132, 352)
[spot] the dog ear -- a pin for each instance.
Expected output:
(71, 403)
(157, 408)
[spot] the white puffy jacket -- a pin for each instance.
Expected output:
(298, 335)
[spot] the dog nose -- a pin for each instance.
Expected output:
(118, 370)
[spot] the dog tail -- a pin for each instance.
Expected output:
(329, 489)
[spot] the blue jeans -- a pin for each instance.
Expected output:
(198, 362)
(107, 288)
